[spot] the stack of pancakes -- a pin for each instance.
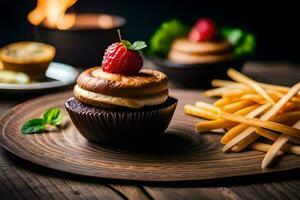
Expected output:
(188, 52)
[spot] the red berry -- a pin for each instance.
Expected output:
(118, 59)
(207, 30)
(195, 35)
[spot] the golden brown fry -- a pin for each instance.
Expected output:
(289, 106)
(251, 83)
(192, 110)
(236, 106)
(212, 125)
(286, 117)
(207, 106)
(259, 146)
(222, 102)
(234, 131)
(236, 93)
(273, 136)
(224, 83)
(265, 147)
(244, 143)
(239, 105)
(237, 76)
(275, 148)
(271, 113)
(254, 97)
(217, 91)
(221, 123)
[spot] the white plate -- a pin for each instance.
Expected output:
(59, 75)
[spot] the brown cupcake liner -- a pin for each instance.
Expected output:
(120, 125)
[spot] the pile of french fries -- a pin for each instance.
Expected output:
(248, 110)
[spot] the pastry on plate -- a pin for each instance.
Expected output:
(119, 102)
(202, 46)
(203, 43)
(31, 58)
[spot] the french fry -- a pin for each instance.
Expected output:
(207, 106)
(222, 102)
(273, 136)
(237, 76)
(225, 83)
(232, 84)
(287, 117)
(221, 123)
(212, 125)
(244, 143)
(259, 146)
(233, 132)
(289, 106)
(272, 112)
(277, 145)
(236, 93)
(274, 149)
(254, 97)
(218, 91)
(236, 106)
(248, 110)
(198, 112)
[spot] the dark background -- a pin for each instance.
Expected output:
(275, 24)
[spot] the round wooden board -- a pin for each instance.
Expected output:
(179, 155)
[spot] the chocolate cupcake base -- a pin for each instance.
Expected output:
(120, 125)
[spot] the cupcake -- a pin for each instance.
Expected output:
(31, 58)
(193, 56)
(202, 46)
(118, 102)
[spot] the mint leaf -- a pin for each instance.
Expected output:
(53, 116)
(138, 45)
(33, 126)
(126, 43)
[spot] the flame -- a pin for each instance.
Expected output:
(53, 14)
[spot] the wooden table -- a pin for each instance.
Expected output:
(20, 179)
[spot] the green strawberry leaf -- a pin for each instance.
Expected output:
(138, 45)
(33, 126)
(126, 43)
(53, 116)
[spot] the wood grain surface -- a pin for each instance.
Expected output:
(20, 179)
(178, 155)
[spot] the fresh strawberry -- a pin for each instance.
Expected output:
(123, 58)
(204, 30)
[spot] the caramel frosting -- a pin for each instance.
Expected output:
(187, 52)
(209, 47)
(181, 57)
(98, 88)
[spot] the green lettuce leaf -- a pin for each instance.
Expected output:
(161, 41)
(244, 43)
